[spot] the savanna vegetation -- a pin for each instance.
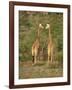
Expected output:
(28, 26)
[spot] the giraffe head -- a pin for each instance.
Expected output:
(41, 26)
(47, 26)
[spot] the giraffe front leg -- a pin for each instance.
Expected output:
(51, 57)
(33, 56)
(35, 59)
(48, 57)
(36, 54)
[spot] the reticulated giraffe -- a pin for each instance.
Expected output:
(50, 45)
(36, 45)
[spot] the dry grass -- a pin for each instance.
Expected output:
(40, 70)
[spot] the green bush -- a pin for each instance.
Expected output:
(28, 26)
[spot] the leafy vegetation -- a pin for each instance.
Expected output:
(28, 26)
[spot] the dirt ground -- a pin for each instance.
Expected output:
(41, 69)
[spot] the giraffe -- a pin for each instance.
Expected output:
(36, 45)
(50, 45)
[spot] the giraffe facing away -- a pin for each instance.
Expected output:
(50, 45)
(36, 45)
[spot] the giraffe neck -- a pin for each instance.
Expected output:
(38, 34)
(50, 37)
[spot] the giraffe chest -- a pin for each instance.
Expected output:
(36, 45)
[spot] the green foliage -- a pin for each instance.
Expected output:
(28, 26)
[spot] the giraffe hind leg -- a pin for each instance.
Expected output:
(33, 59)
(48, 58)
(51, 58)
